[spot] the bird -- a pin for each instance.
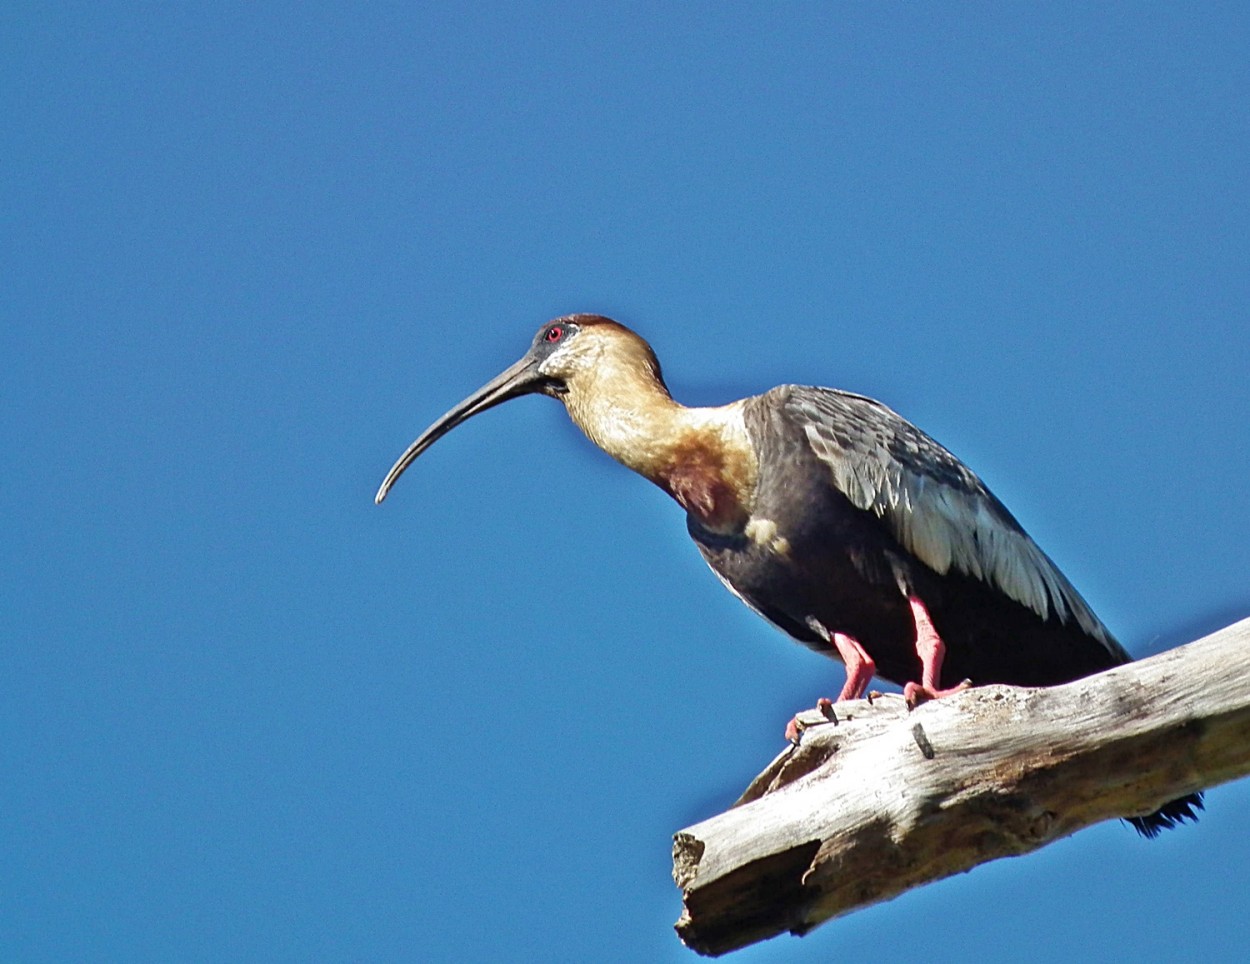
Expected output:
(830, 515)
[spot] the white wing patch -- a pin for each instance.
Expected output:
(946, 516)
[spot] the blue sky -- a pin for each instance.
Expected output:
(252, 249)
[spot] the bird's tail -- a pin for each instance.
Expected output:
(1168, 816)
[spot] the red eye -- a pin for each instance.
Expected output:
(555, 333)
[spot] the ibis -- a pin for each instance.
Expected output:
(830, 515)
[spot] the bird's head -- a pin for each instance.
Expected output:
(570, 358)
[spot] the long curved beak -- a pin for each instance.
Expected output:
(523, 378)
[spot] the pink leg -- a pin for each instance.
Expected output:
(931, 650)
(859, 667)
(859, 672)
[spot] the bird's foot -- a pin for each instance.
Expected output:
(917, 693)
(795, 728)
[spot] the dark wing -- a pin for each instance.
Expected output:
(932, 503)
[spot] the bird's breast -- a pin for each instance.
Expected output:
(713, 482)
(703, 491)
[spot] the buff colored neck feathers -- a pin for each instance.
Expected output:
(700, 456)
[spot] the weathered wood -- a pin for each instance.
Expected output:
(883, 799)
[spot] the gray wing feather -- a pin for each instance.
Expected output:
(933, 503)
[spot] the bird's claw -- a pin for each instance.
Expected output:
(795, 728)
(917, 693)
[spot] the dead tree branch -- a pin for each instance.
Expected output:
(884, 800)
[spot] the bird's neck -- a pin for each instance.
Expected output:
(702, 457)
